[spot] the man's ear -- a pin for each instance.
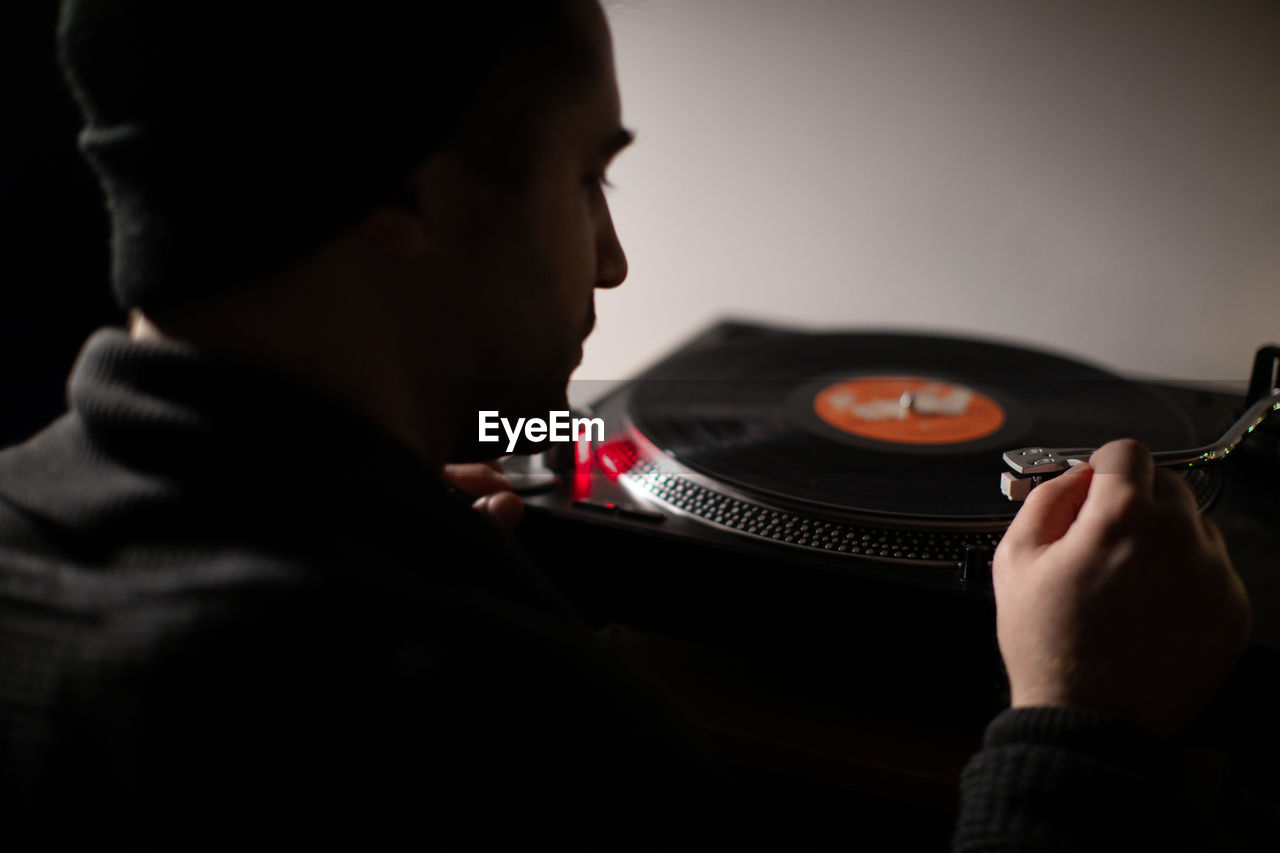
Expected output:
(410, 228)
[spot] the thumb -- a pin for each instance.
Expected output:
(1047, 513)
(1123, 471)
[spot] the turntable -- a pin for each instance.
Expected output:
(815, 514)
(781, 484)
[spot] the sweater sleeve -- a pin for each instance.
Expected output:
(1063, 779)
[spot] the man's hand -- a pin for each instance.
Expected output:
(492, 491)
(1114, 594)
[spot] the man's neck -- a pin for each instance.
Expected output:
(335, 346)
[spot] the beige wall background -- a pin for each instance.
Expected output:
(1097, 178)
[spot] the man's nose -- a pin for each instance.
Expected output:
(611, 264)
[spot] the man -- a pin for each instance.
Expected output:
(240, 602)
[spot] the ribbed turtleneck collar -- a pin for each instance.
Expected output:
(161, 422)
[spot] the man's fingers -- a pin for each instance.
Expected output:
(1123, 479)
(503, 507)
(1213, 534)
(476, 479)
(1120, 467)
(1171, 490)
(1047, 513)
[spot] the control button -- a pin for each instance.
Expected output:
(601, 507)
(642, 515)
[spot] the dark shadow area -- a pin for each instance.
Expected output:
(54, 286)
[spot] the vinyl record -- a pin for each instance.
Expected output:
(887, 424)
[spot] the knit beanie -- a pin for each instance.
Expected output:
(231, 138)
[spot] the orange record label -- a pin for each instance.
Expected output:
(908, 410)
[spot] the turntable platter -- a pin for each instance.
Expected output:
(892, 425)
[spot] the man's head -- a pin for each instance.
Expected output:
(442, 159)
(515, 210)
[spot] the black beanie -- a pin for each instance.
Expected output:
(233, 137)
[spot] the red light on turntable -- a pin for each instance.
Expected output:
(581, 485)
(582, 457)
(582, 452)
(613, 458)
(616, 457)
